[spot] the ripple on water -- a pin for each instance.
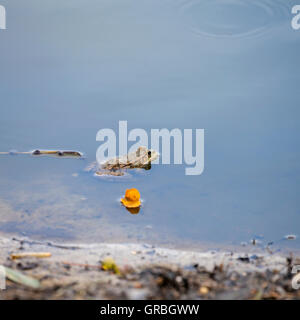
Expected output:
(233, 18)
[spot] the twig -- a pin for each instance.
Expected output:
(82, 265)
(15, 256)
(49, 244)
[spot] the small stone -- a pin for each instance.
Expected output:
(203, 290)
(290, 237)
(137, 285)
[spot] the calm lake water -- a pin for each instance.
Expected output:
(231, 67)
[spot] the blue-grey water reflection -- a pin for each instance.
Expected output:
(70, 68)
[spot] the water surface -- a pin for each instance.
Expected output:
(71, 68)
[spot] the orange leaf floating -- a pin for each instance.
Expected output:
(132, 198)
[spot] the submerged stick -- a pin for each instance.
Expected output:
(43, 243)
(38, 152)
(81, 265)
(15, 152)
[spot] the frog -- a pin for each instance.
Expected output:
(141, 158)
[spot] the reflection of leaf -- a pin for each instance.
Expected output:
(109, 264)
(20, 278)
(133, 210)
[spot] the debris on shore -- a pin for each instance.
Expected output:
(22, 255)
(132, 271)
(19, 278)
(108, 264)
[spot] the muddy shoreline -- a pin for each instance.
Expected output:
(147, 272)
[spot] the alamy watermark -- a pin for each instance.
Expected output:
(2, 17)
(185, 149)
(296, 278)
(296, 19)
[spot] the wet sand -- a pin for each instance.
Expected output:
(147, 272)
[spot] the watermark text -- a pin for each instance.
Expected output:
(296, 19)
(2, 18)
(187, 145)
(296, 278)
